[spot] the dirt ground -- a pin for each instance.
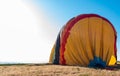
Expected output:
(54, 70)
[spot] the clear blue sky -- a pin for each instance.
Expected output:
(60, 11)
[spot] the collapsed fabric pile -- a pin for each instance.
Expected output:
(86, 40)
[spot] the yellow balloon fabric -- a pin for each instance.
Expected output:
(89, 37)
(112, 61)
(86, 40)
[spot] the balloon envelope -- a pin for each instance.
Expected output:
(86, 40)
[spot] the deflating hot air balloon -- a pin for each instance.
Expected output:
(87, 40)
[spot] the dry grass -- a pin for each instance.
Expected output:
(118, 62)
(54, 70)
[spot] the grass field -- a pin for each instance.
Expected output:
(118, 62)
(53, 70)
